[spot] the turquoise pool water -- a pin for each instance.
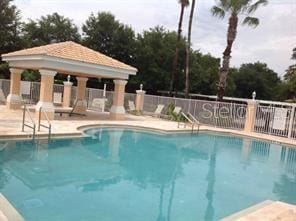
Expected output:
(133, 176)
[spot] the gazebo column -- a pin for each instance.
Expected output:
(117, 111)
(67, 93)
(14, 99)
(81, 104)
(46, 91)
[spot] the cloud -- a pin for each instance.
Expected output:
(271, 42)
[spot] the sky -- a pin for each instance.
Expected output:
(271, 42)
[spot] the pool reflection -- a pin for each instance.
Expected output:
(162, 166)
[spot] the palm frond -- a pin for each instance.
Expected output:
(257, 4)
(218, 12)
(251, 21)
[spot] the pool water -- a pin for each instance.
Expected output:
(118, 174)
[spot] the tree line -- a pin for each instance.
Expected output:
(165, 59)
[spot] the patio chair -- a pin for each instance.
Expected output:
(131, 106)
(176, 111)
(158, 111)
(2, 97)
(68, 110)
(57, 99)
(99, 103)
(26, 92)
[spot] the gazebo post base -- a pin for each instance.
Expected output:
(13, 102)
(46, 107)
(116, 116)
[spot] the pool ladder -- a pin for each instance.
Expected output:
(24, 124)
(48, 126)
(191, 119)
(33, 123)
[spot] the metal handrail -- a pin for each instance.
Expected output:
(194, 119)
(189, 120)
(42, 125)
(25, 109)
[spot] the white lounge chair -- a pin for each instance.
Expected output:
(57, 99)
(177, 110)
(131, 106)
(2, 97)
(99, 103)
(158, 110)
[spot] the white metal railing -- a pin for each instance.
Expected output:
(276, 119)
(219, 114)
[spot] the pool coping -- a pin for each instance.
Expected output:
(8, 211)
(80, 133)
(185, 131)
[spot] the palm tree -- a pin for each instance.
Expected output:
(188, 50)
(294, 54)
(183, 3)
(234, 8)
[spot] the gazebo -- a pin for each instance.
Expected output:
(71, 59)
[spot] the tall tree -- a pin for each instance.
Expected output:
(234, 8)
(288, 87)
(106, 34)
(187, 70)
(155, 49)
(183, 4)
(9, 27)
(256, 77)
(50, 29)
(294, 54)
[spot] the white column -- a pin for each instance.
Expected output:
(46, 91)
(14, 99)
(81, 104)
(250, 116)
(140, 100)
(117, 111)
(67, 93)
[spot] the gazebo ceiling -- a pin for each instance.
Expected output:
(69, 58)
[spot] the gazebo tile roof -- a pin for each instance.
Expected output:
(73, 51)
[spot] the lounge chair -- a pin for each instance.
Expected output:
(158, 110)
(69, 110)
(57, 99)
(131, 106)
(2, 97)
(176, 111)
(99, 103)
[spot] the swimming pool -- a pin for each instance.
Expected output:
(123, 174)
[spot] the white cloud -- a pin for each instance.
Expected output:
(271, 42)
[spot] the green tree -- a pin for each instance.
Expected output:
(288, 87)
(294, 54)
(183, 4)
(50, 29)
(256, 77)
(155, 50)
(103, 33)
(9, 27)
(204, 73)
(188, 48)
(234, 8)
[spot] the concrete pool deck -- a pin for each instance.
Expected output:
(11, 122)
